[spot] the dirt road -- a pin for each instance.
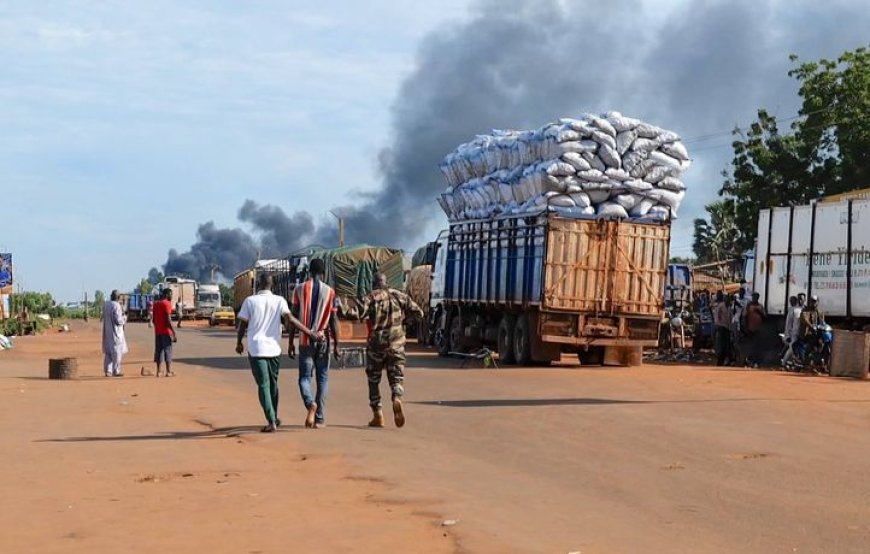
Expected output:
(561, 459)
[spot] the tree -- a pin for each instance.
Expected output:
(227, 295)
(825, 151)
(720, 238)
(99, 300)
(144, 287)
(35, 302)
(681, 260)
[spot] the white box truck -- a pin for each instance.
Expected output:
(822, 248)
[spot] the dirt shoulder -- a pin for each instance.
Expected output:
(141, 464)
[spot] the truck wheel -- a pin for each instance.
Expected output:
(442, 344)
(456, 334)
(522, 341)
(506, 339)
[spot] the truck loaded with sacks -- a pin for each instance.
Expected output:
(558, 241)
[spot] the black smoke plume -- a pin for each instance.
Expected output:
(698, 68)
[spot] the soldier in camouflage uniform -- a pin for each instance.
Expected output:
(386, 309)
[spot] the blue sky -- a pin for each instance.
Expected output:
(127, 124)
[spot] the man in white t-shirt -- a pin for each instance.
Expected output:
(260, 320)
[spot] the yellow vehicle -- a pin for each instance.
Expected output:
(223, 315)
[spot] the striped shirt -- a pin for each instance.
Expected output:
(314, 304)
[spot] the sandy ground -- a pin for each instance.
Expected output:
(136, 464)
(562, 459)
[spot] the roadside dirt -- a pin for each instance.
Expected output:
(136, 465)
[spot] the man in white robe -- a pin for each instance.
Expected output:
(114, 340)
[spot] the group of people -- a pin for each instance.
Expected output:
(115, 340)
(737, 324)
(313, 313)
(801, 323)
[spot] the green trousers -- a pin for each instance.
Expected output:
(265, 372)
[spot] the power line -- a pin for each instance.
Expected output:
(811, 128)
(701, 138)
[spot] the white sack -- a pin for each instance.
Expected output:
(676, 150)
(672, 183)
(642, 208)
(592, 175)
(576, 161)
(627, 201)
(581, 199)
(668, 161)
(604, 125)
(624, 140)
(611, 209)
(617, 174)
(603, 138)
(609, 156)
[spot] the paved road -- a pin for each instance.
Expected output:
(561, 459)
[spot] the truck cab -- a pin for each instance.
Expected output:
(208, 297)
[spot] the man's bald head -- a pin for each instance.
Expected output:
(379, 281)
(264, 281)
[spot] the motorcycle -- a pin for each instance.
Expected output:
(812, 353)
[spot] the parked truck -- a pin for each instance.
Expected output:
(138, 305)
(537, 286)
(184, 292)
(820, 249)
(208, 297)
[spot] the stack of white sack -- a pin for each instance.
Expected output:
(607, 165)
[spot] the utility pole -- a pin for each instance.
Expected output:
(340, 227)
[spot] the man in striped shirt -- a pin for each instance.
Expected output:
(314, 305)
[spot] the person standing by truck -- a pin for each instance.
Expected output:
(386, 309)
(164, 333)
(722, 330)
(791, 332)
(314, 305)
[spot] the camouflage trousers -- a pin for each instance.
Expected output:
(377, 360)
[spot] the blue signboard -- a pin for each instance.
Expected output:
(5, 270)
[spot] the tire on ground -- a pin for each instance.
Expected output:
(523, 341)
(506, 339)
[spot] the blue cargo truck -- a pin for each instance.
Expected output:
(138, 305)
(535, 287)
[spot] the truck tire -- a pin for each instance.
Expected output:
(442, 342)
(506, 339)
(522, 341)
(455, 336)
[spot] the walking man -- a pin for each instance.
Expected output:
(792, 328)
(752, 321)
(260, 320)
(114, 341)
(164, 333)
(722, 330)
(314, 305)
(386, 309)
(179, 311)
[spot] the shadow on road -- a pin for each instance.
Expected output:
(222, 362)
(221, 432)
(519, 402)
